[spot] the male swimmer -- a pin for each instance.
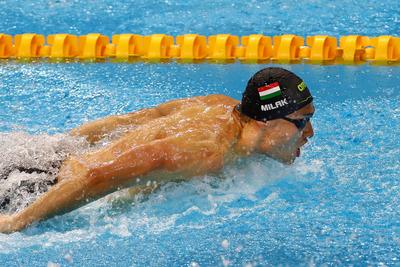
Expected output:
(181, 138)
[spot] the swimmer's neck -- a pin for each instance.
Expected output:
(247, 135)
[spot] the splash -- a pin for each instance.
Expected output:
(29, 165)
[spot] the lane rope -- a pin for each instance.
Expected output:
(193, 48)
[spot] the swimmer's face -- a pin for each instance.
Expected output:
(282, 140)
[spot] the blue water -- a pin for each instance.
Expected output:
(337, 205)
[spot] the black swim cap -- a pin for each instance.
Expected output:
(273, 93)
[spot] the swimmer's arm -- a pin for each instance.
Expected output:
(12, 223)
(80, 185)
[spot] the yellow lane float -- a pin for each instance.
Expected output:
(220, 47)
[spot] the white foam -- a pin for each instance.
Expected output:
(29, 165)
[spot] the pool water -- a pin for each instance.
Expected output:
(337, 205)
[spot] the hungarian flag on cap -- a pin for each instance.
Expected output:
(269, 91)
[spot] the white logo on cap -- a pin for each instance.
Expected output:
(275, 105)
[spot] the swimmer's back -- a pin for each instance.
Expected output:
(198, 117)
(95, 131)
(196, 127)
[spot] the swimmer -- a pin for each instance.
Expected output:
(181, 138)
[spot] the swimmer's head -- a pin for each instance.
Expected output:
(273, 93)
(279, 105)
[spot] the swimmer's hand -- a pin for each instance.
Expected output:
(8, 224)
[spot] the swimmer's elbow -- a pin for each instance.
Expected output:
(75, 132)
(82, 132)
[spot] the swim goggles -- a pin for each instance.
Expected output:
(299, 123)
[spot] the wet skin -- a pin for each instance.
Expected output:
(181, 138)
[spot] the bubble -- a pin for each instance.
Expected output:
(225, 262)
(68, 258)
(225, 244)
(238, 249)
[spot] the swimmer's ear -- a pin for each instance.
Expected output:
(263, 124)
(274, 123)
